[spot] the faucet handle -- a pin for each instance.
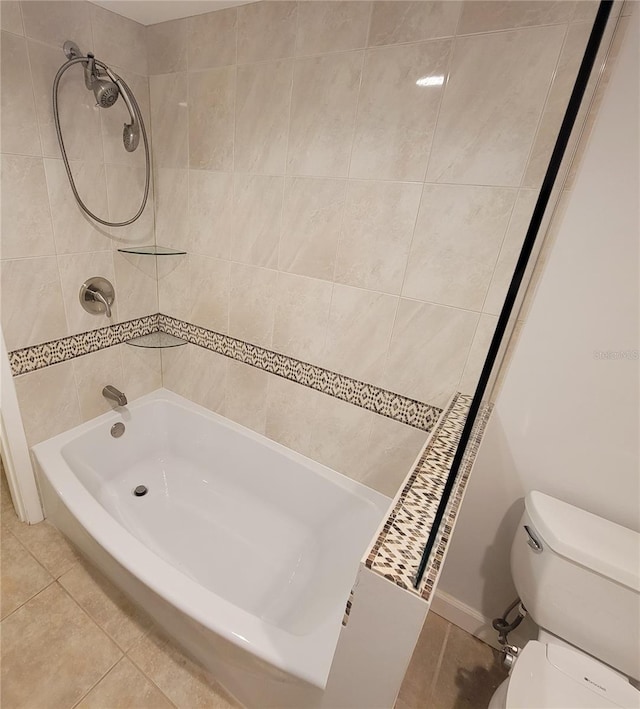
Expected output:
(97, 295)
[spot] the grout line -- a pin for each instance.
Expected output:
(436, 674)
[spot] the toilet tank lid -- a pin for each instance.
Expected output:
(589, 540)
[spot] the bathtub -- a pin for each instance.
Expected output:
(241, 549)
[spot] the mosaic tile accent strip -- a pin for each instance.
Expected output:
(347, 610)
(28, 359)
(367, 396)
(397, 551)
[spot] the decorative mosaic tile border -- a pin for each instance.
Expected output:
(28, 359)
(367, 396)
(397, 551)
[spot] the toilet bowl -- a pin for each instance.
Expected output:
(578, 576)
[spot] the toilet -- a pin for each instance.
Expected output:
(578, 576)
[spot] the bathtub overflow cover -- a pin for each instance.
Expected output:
(117, 429)
(140, 491)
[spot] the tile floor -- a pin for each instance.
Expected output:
(70, 639)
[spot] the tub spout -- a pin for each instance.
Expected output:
(110, 392)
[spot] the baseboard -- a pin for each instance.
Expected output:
(471, 620)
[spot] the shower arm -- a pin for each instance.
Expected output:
(131, 104)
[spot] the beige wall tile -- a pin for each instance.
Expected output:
(585, 10)
(358, 332)
(75, 269)
(209, 279)
(246, 395)
(492, 15)
(125, 192)
(376, 234)
(141, 370)
(93, 372)
(210, 212)
(32, 303)
(74, 231)
(204, 52)
(206, 380)
(397, 21)
(167, 46)
(302, 313)
(555, 107)
(119, 617)
(211, 106)
(510, 251)
(184, 682)
(125, 686)
(266, 31)
(311, 219)
(456, 243)
(262, 117)
(478, 353)
(396, 116)
(52, 652)
(174, 289)
(55, 21)
(323, 109)
(22, 575)
(172, 208)
(340, 436)
(48, 402)
(11, 17)
(257, 216)
(332, 26)
(175, 367)
(79, 119)
(169, 120)
(484, 138)
(252, 303)
(136, 285)
(290, 409)
(19, 123)
(118, 40)
(391, 453)
(26, 218)
(428, 351)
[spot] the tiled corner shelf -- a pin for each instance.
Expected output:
(156, 340)
(153, 250)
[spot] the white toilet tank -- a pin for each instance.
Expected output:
(583, 582)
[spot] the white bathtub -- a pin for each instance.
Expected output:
(243, 550)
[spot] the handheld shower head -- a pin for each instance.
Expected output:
(130, 136)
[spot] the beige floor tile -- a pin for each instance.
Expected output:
(46, 543)
(469, 674)
(109, 607)
(22, 576)
(421, 673)
(185, 683)
(125, 687)
(52, 653)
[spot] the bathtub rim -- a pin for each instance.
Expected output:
(307, 657)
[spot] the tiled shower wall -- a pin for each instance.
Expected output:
(48, 248)
(352, 181)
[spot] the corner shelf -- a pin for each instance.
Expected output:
(156, 340)
(152, 250)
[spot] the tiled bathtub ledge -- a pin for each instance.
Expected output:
(397, 551)
(367, 396)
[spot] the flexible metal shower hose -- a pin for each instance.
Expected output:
(138, 113)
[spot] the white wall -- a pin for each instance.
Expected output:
(566, 422)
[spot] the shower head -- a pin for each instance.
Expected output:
(105, 91)
(130, 136)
